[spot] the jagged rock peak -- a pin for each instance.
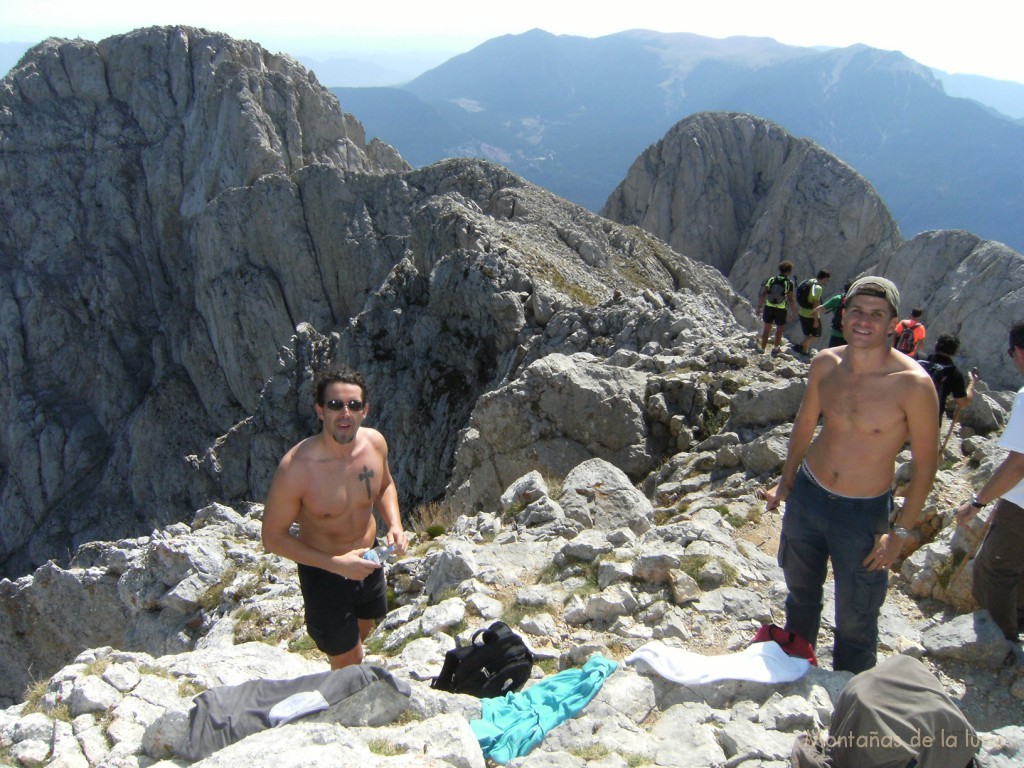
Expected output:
(113, 154)
(740, 193)
(210, 102)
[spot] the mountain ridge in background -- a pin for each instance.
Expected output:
(571, 114)
(1004, 96)
(346, 67)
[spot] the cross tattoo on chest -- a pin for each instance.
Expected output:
(365, 476)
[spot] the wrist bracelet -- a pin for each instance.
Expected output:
(975, 503)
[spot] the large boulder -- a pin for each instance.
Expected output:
(600, 495)
(560, 412)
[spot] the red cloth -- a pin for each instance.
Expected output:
(793, 643)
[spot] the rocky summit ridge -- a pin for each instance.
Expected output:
(194, 227)
(200, 222)
(587, 566)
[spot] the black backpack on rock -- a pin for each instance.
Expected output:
(495, 662)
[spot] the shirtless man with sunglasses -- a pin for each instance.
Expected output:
(330, 484)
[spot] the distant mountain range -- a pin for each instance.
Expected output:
(1002, 95)
(572, 114)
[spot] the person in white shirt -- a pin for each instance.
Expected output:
(999, 565)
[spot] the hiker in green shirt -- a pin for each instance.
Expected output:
(775, 305)
(834, 305)
(808, 299)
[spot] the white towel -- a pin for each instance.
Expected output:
(297, 705)
(760, 662)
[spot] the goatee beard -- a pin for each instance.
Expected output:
(343, 439)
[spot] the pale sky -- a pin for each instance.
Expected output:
(980, 37)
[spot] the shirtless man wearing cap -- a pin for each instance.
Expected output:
(837, 485)
(330, 484)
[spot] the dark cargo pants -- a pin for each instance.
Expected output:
(999, 569)
(819, 525)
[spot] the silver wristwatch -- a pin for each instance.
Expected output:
(900, 532)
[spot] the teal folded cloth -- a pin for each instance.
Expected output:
(514, 724)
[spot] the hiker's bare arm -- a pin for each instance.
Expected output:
(1007, 475)
(920, 406)
(922, 403)
(963, 402)
(281, 510)
(803, 431)
(387, 503)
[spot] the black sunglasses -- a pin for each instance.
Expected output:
(355, 406)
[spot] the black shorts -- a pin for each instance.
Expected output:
(810, 325)
(774, 315)
(334, 603)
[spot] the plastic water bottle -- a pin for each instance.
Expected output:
(379, 554)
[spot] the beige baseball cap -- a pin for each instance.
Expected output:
(870, 285)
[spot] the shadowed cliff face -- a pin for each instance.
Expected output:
(178, 206)
(114, 365)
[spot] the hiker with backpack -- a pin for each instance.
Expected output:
(808, 299)
(947, 377)
(776, 304)
(999, 567)
(330, 484)
(835, 305)
(837, 481)
(909, 334)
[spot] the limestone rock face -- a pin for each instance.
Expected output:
(965, 285)
(740, 193)
(457, 280)
(122, 350)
